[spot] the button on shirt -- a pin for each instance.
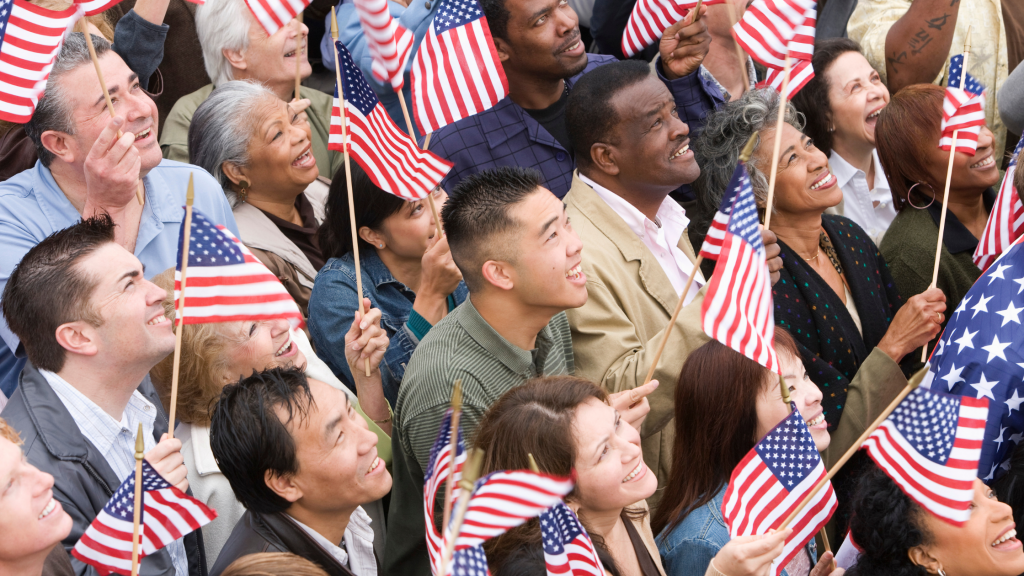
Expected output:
(115, 440)
(858, 200)
(661, 238)
(356, 550)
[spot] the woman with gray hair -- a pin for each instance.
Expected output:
(835, 294)
(236, 47)
(259, 148)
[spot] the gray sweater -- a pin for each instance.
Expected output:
(1011, 101)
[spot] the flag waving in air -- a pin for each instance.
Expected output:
(567, 546)
(275, 14)
(1006, 222)
(768, 26)
(389, 156)
(437, 474)
(801, 49)
(649, 20)
(30, 39)
(390, 44)
(167, 514)
(963, 110)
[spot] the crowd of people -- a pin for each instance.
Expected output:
(569, 227)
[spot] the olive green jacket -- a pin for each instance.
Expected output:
(174, 135)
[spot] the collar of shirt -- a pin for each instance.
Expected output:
(356, 549)
(957, 238)
(672, 217)
(844, 172)
(513, 357)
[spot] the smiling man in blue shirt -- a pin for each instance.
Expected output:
(85, 169)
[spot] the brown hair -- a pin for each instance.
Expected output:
(9, 433)
(906, 129)
(202, 361)
(716, 424)
(273, 564)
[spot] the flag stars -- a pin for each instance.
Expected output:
(996, 349)
(981, 306)
(998, 274)
(1010, 314)
(966, 340)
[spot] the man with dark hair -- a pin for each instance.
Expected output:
(633, 151)
(520, 258)
(538, 42)
(85, 169)
(302, 461)
(93, 327)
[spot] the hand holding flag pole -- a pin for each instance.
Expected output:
(140, 447)
(348, 173)
(453, 443)
(180, 314)
(945, 192)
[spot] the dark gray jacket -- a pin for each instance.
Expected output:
(83, 481)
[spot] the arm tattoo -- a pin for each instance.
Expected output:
(919, 41)
(896, 59)
(938, 23)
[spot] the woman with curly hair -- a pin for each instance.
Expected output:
(898, 537)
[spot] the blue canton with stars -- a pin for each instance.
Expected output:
(470, 562)
(5, 14)
(1016, 153)
(558, 527)
(122, 503)
(208, 246)
(357, 92)
(789, 451)
(928, 421)
(743, 221)
(455, 13)
(956, 67)
(981, 354)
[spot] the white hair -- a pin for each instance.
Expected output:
(222, 25)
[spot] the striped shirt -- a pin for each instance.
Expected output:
(115, 440)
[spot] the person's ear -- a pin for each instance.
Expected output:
(283, 485)
(371, 237)
(604, 158)
(78, 337)
(499, 274)
(234, 172)
(920, 556)
(504, 50)
(236, 58)
(60, 145)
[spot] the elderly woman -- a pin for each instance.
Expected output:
(841, 104)
(258, 147)
(214, 355)
(908, 146)
(236, 47)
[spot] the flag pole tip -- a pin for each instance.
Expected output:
(190, 196)
(334, 25)
(748, 148)
(140, 443)
(916, 379)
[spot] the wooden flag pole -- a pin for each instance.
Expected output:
(140, 447)
(348, 174)
(945, 192)
(84, 28)
(913, 383)
(426, 142)
(453, 443)
(772, 176)
(179, 316)
(739, 49)
(696, 9)
(470, 473)
(298, 55)
(533, 464)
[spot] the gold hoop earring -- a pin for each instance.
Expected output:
(912, 205)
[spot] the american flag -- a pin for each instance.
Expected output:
(274, 14)
(226, 283)
(388, 155)
(737, 309)
(712, 246)
(471, 561)
(436, 476)
(30, 39)
(650, 19)
(94, 7)
(962, 109)
(801, 49)
(567, 546)
(456, 71)
(167, 515)
(1006, 222)
(768, 26)
(981, 355)
(771, 481)
(390, 44)
(930, 446)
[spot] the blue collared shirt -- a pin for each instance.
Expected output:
(115, 439)
(32, 207)
(506, 135)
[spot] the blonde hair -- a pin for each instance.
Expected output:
(9, 433)
(273, 564)
(202, 362)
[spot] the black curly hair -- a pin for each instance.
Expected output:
(885, 524)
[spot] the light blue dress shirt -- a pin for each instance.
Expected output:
(32, 207)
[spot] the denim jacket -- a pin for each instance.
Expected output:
(333, 304)
(688, 548)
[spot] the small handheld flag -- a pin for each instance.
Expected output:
(1006, 222)
(568, 548)
(801, 49)
(963, 109)
(275, 14)
(649, 20)
(390, 44)
(438, 471)
(768, 26)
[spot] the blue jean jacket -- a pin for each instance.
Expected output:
(333, 304)
(688, 548)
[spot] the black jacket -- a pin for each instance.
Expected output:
(255, 533)
(83, 481)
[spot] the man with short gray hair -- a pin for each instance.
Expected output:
(85, 168)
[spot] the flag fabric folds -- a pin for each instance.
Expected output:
(768, 26)
(30, 39)
(389, 43)
(962, 109)
(737, 309)
(1006, 222)
(167, 515)
(568, 548)
(649, 20)
(801, 49)
(930, 446)
(274, 14)
(771, 481)
(388, 155)
(94, 7)
(225, 282)
(981, 355)
(456, 71)
(437, 474)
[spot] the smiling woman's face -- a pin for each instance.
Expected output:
(31, 521)
(258, 345)
(771, 409)
(804, 183)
